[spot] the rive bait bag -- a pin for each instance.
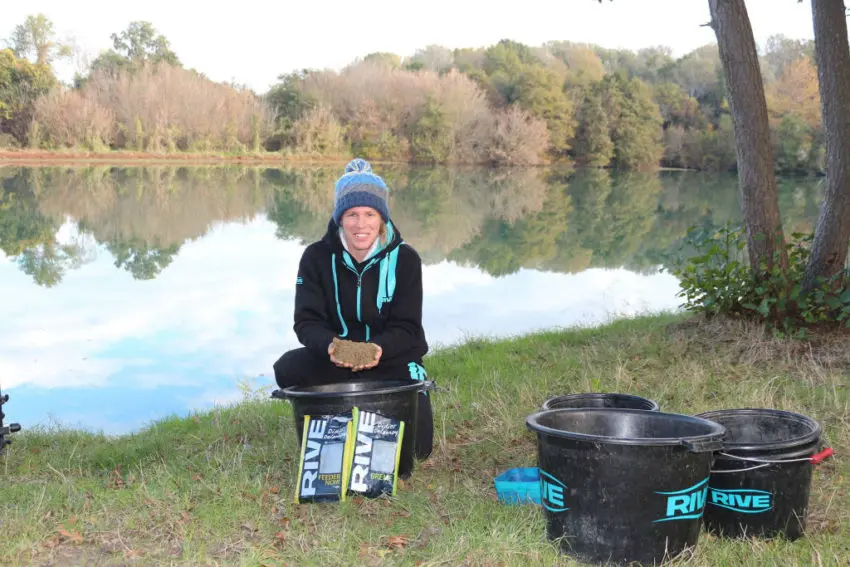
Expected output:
(374, 453)
(322, 466)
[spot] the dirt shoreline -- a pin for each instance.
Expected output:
(45, 157)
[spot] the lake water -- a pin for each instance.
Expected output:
(131, 294)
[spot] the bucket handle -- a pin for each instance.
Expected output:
(814, 459)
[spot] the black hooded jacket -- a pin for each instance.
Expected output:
(336, 296)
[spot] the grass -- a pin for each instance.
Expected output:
(216, 488)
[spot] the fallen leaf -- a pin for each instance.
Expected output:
(397, 542)
(73, 536)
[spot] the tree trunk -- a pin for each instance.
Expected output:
(756, 181)
(829, 248)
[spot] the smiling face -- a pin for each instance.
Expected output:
(361, 227)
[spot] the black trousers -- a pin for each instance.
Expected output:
(302, 367)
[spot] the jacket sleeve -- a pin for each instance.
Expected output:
(403, 329)
(312, 321)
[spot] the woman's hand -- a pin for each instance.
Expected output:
(334, 360)
(378, 352)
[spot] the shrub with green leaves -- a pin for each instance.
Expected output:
(716, 279)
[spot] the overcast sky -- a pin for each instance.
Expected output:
(252, 42)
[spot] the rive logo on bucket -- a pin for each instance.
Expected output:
(552, 492)
(685, 504)
(745, 501)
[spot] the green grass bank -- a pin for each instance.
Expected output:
(217, 488)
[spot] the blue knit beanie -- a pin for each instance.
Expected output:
(359, 187)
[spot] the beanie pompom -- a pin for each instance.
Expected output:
(358, 165)
(359, 187)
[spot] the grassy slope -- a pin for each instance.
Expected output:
(217, 488)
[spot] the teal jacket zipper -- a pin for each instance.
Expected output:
(351, 268)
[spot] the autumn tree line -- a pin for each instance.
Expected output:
(505, 104)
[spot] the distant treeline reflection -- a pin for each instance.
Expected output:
(499, 220)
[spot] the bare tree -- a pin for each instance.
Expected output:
(518, 138)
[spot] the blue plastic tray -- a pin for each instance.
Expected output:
(519, 486)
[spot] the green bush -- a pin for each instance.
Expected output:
(716, 279)
(8, 141)
(431, 135)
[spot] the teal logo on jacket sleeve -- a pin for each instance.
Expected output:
(685, 504)
(742, 500)
(552, 492)
(417, 371)
(299, 280)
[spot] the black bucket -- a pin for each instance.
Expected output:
(595, 400)
(396, 399)
(761, 480)
(623, 485)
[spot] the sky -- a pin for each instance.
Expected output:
(253, 42)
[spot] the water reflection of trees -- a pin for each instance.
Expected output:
(140, 215)
(437, 210)
(498, 219)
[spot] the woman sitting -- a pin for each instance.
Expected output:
(360, 282)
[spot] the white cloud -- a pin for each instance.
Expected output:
(224, 307)
(531, 300)
(222, 313)
(57, 337)
(213, 398)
